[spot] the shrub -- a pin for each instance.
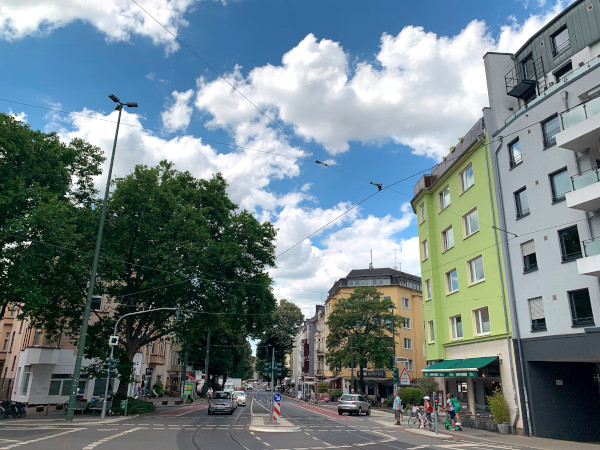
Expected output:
(335, 394)
(322, 387)
(134, 406)
(411, 395)
(158, 387)
(427, 385)
(498, 406)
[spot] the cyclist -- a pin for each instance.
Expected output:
(427, 411)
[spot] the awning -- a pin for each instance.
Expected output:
(329, 380)
(454, 368)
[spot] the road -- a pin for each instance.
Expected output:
(192, 428)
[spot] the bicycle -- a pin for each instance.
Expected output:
(415, 419)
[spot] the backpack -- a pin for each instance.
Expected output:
(456, 404)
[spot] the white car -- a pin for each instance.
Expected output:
(241, 397)
(250, 387)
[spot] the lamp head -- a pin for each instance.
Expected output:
(131, 104)
(114, 98)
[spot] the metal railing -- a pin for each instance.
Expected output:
(591, 247)
(585, 179)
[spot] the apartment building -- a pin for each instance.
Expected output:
(545, 132)
(467, 317)
(404, 290)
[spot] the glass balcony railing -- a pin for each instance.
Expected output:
(585, 179)
(591, 247)
(580, 113)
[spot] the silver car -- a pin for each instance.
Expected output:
(353, 404)
(222, 402)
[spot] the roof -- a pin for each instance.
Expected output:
(378, 272)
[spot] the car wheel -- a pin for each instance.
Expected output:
(340, 413)
(360, 411)
(369, 411)
(209, 413)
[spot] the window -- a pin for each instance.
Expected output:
(528, 67)
(405, 303)
(428, 289)
(550, 127)
(560, 41)
(569, 244)
(407, 344)
(444, 198)
(37, 337)
(581, 308)
(422, 212)
(529, 257)
(521, 203)
(425, 250)
(431, 331)
(558, 74)
(409, 364)
(476, 273)
(6, 340)
(560, 184)
(407, 323)
(514, 153)
(482, 321)
(456, 327)
(466, 178)
(96, 303)
(447, 239)
(471, 221)
(59, 383)
(536, 311)
(25, 380)
(451, 281)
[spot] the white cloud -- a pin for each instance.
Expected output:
(177, 116)
(21, 116)
(117, 19)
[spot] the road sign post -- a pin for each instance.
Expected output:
(276, 406)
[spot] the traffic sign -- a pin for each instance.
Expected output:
(401, 360)
(404, 377)
(277, 397)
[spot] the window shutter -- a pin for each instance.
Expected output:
(536, 306)
(528, 248)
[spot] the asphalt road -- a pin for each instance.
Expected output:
(192, 428)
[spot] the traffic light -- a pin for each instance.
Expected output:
(278, 370)
(267, 369)
(396, 376)
(112, 364)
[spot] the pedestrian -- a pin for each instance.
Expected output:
(450, 410)
(154, 393)
(312, 396)
(457, 408)
(427, 410)
(397, 406)
(209, 393)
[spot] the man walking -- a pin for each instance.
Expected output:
(397, 406)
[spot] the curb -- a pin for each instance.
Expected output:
(274, 429)
(429, 434)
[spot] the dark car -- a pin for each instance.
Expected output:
(222, 402)
(353, 404)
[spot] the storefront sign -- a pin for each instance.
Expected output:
(374, 373)
(469, 374)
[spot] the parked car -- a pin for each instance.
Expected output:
(268, 388)
(240, 397)
(221, 402)
(250, 387)
(353, 404)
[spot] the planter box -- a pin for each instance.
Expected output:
(188, 401)
(165, 402)
(178, 402)
(39, 409)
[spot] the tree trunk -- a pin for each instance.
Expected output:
(224, 380)
(124, 381)
(361, 379)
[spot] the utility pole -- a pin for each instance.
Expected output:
(352, 366)
(206, 362)
(272, 380)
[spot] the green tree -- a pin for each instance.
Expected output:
(46, 197)
(279, 333)
(360, 329)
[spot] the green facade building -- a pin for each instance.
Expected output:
(466, 311)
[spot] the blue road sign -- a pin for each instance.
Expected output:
(277, 397)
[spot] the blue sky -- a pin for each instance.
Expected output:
(377, 89)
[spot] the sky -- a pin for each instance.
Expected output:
(303, 106)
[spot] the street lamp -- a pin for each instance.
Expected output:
(90, 293)
(395, 366)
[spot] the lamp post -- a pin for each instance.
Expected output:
(92, 282)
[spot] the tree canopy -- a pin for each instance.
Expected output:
(360, 330)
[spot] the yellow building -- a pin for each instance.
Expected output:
(404, 290)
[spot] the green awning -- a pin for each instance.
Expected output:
(474, 363)
(442, 365)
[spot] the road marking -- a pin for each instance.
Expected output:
(316, 439)
(267, 444)
(18, 444)
(109, 438)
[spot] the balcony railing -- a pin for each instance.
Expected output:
(591, 247)
(580, 113)
(585, 179)
(522, 82)
(157, 359)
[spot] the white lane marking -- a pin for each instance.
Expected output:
(18, 444)
(109, 438)
(267, 444)
(316, 439)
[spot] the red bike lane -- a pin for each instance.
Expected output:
(323, 411)
(181, 410)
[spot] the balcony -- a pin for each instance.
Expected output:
(41, 355)
(157, 360)
(585, 195)
(319, 371)
(581, 127)
(590, 263)
(522, 80)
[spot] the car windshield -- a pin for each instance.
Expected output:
(222, 395)
(239, 394)
(349, 398)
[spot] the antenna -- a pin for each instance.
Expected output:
(395, 258)
(371, 263)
